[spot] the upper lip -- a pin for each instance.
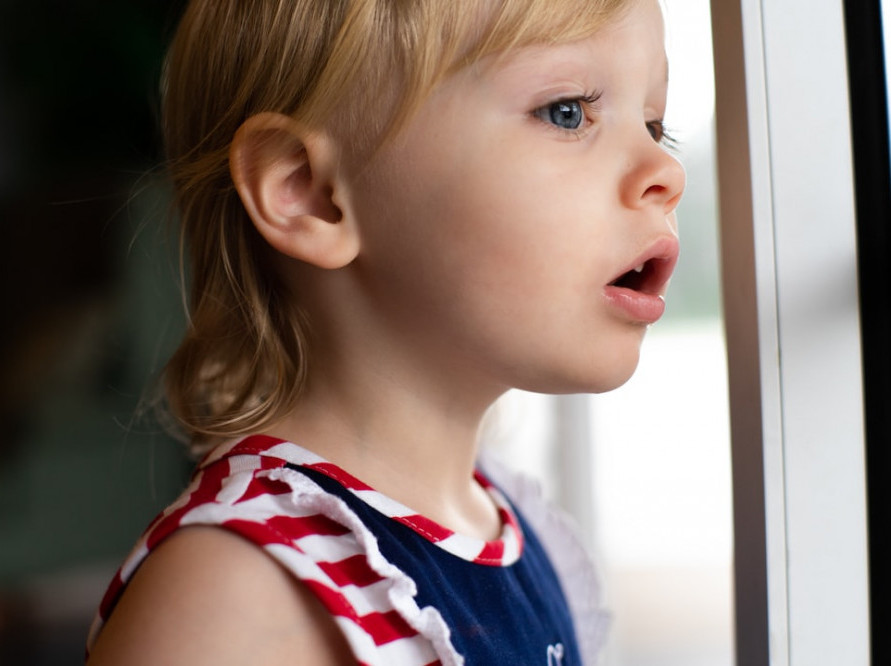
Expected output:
(657, 261)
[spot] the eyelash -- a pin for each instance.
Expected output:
(661, 134)
(656, 128)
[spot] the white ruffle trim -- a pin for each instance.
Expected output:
(428, 622)
(571, 560)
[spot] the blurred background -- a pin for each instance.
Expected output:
(91, 287)
(92, 308)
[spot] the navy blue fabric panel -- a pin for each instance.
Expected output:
(497, 615)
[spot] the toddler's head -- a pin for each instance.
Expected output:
(355, 71)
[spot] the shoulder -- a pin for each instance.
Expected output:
(207, 596)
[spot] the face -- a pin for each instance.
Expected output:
(521, 226)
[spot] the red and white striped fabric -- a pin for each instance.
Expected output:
(247, 488)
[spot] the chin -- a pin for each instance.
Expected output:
(615, 381)
(611, 373)
(612, 379)
(597, 377)
(607, 372)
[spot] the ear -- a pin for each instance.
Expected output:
(288, 181)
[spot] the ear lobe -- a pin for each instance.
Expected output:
(287, 179)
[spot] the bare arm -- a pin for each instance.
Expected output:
(206, 596)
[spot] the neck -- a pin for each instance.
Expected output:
(409, 432)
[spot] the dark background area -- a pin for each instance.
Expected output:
(92, 309)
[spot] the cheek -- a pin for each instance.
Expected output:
(507, 226)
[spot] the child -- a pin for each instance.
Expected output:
(396, 211)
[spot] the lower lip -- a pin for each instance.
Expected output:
(637, 306)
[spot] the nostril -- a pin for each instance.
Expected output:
(669, 197)
(655, 190)
(660, 194)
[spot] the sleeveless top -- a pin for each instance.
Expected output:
(402, 589)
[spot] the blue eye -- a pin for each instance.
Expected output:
(570, 114)
(565, 114)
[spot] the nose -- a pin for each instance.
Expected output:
(654, 177)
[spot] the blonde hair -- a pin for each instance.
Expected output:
(243, 361)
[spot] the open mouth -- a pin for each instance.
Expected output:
(648, 278)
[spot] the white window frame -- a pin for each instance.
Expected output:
(789, 266)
